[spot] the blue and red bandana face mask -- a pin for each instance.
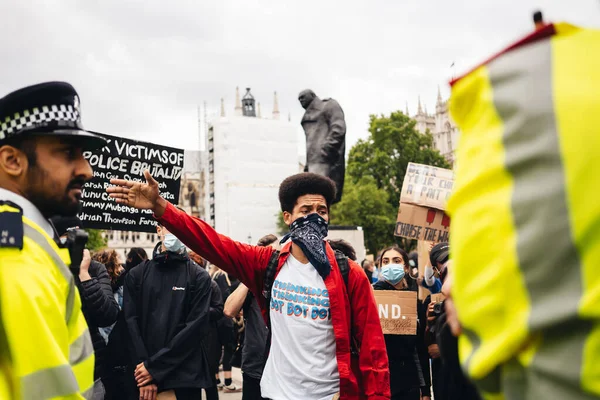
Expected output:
(309, 233)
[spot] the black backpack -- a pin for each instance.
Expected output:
(342, 262)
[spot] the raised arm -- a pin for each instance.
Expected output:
(235, 301)
(245, 262)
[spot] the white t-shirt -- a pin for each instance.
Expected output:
(302, 362)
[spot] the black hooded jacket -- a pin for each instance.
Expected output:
(100, 310)
(166, 306)
(402, 350)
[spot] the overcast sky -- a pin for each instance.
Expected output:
(143, 67)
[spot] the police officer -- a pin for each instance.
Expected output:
(45, 346)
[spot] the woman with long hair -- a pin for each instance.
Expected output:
(112, 262)
(117, 382)
(406, 377)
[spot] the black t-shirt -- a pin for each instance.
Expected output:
(253, 353)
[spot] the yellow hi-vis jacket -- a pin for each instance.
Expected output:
(525, 235)
(45, 347)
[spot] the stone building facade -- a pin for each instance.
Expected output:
(440, 125)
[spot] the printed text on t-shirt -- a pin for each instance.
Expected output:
(300, 301)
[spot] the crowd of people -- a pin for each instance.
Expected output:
(297, 313)
(147, 339)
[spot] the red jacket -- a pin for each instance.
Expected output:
(352, 310)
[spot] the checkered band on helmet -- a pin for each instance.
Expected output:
(38, 116)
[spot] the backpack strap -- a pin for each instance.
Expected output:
(191, 267)
(342, 262)
(267, 285)
(270, 276)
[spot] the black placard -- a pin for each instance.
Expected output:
(127, 159)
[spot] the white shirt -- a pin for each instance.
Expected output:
(29, 210)
(302, 362)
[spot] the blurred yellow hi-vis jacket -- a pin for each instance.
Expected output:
(525, 234)
(45, 346)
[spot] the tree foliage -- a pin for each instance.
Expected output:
(282, 228)
(374, 176)
(95, 240)
(366, 205)
(393, 142)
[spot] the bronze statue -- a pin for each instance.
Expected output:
(325, 129)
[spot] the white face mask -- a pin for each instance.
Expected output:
(172, 244)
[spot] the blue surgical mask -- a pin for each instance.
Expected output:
(173, 244)
(393, 273)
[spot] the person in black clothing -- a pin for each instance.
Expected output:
(255, 339)
(212, 340)
(438, 253)
(98, 304)
(227, 334)
(452, 383)
(406, 376)
(118, 383)
(167, 310)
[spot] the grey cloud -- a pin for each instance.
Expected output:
(143, 67)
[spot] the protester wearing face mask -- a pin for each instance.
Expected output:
(406, 376)
(166, 307)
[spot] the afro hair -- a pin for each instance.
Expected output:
(305, 183)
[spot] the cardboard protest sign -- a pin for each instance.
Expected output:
(427, 186)
(423, 251)
(437, 298)
(127, 159)
(397, 311)
(421, 223)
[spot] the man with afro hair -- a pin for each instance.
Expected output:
(326, 339)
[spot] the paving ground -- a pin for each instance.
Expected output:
(237, 380)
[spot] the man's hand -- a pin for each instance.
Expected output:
(142, 376)
(139, 195)
(430, 314)
(425, 398)
(434, 351)
(84, 269)
(148, 392)
(430, 247)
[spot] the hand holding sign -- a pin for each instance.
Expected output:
(139, 195)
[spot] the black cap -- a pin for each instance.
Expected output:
(50, 108)
(439, 254)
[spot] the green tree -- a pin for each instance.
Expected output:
(393, 142)
(95, 240)
(366, 205)
(374, 176)
(282, 228)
